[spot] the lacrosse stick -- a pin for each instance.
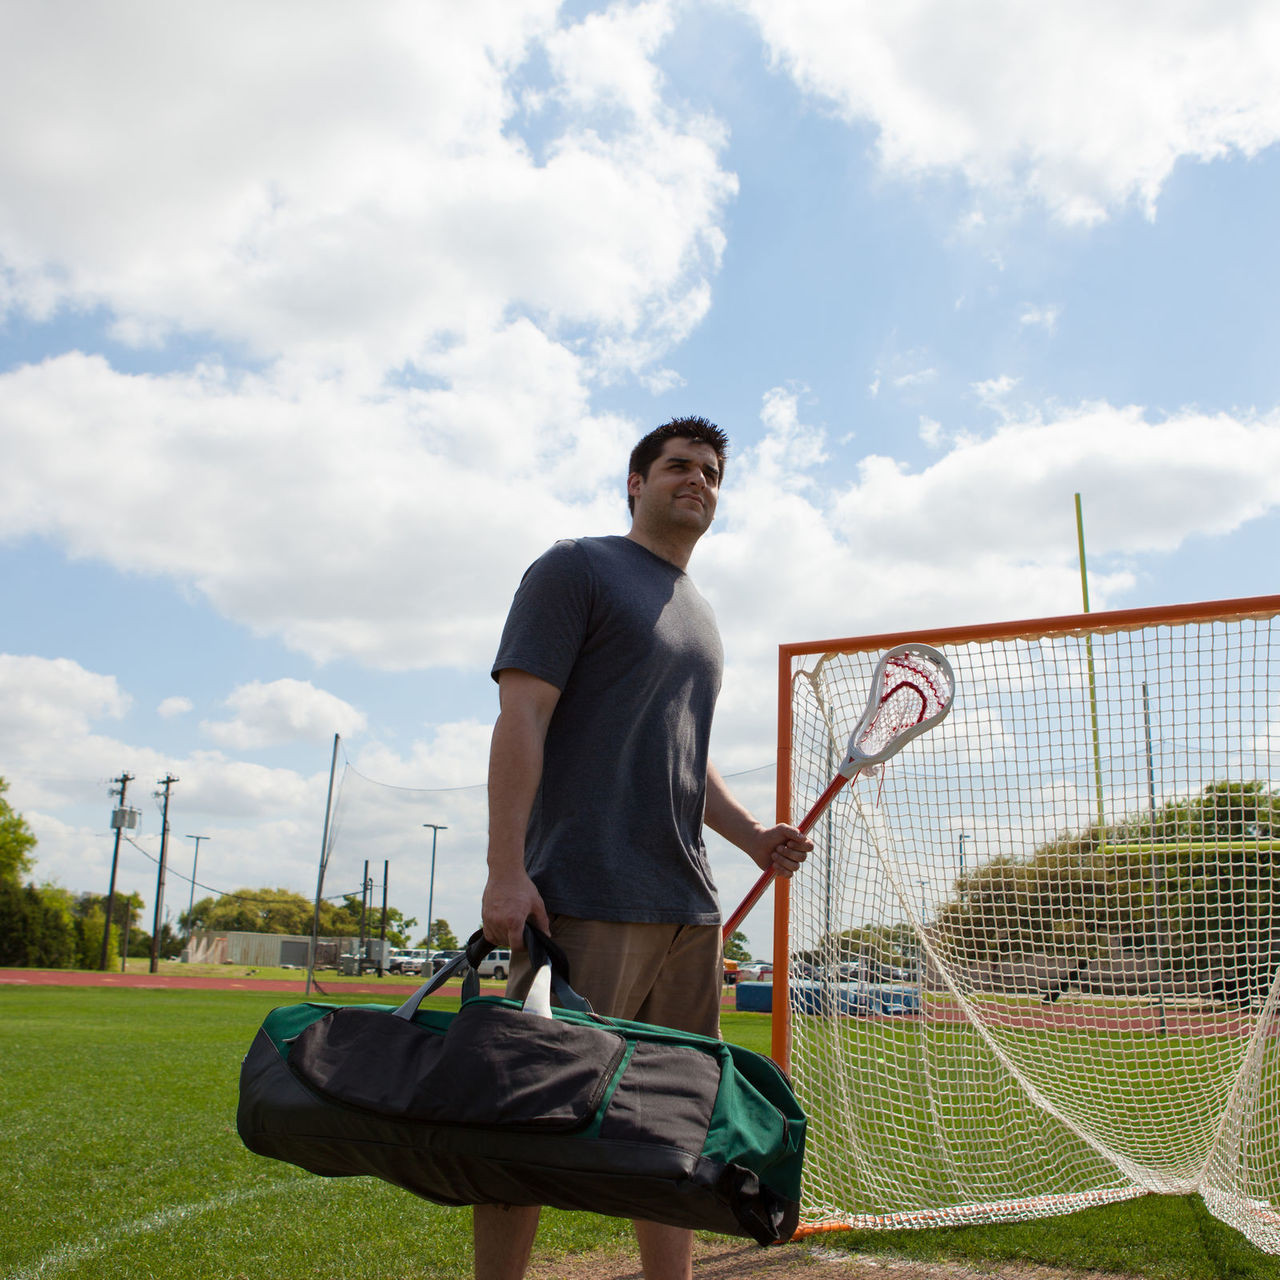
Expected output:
(912, 689)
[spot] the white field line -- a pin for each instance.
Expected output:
(66, 1254)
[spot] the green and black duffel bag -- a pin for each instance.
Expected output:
(503, 1103)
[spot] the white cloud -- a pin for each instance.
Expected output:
(174, 706)
(453, 756)
(364, 198)
(790, 447)
(994, 393)
(904, 371)
(1147, 485)
(52, 697)
(606, 57)
(986, 531)
(51, 715)
(1082, 105)
(263, 823)
(283, 711)
(61, 768)
(916, 378)
(1045, 317)
(339, 523)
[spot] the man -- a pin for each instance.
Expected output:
(600, 783)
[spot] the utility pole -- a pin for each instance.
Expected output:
(191, 902)
(436, 828)
(121, 817)
(366, 886)
(166, 782)
(382, 950)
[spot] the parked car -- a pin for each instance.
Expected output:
(407, 960)
(497, 964)
(756, 971)
(441, 958)
(856, 999)
(863, 970)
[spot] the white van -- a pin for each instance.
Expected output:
(497, 964)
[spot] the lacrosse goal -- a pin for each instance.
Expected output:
(1033, 959)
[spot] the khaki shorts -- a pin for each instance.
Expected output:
(669, 975)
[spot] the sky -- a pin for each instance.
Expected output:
(319, 322)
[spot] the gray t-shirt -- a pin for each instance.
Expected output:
(616, 828)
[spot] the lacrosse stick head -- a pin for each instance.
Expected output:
(912, 689)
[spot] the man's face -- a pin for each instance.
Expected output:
(681, 488)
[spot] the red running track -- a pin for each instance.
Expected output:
(396, 988)
(194, 982)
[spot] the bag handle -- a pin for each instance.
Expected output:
(543, 953)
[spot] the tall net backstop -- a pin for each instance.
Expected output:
(1033, 963)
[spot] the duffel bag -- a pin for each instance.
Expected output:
(510, 1103)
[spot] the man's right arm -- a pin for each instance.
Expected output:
(515, 770)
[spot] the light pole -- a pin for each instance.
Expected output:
(191, 902)
(925, 883)
(436, 829)
(963, 837)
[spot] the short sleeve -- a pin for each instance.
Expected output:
(549, 617)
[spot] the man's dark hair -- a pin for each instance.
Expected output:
(645, 454)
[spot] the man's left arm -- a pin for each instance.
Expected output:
(781, 846)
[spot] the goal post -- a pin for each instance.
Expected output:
(1033, 964)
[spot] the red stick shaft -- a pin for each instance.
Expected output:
(766, 877)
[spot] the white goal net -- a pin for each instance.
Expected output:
(1033, 964)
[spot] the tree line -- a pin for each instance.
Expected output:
(1193, 888)
(284, 911)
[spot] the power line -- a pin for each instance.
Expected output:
(222, 893)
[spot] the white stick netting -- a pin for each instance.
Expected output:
(1030, 973)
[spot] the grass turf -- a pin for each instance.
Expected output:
(118, 1140)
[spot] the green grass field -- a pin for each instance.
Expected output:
(120, 1158)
